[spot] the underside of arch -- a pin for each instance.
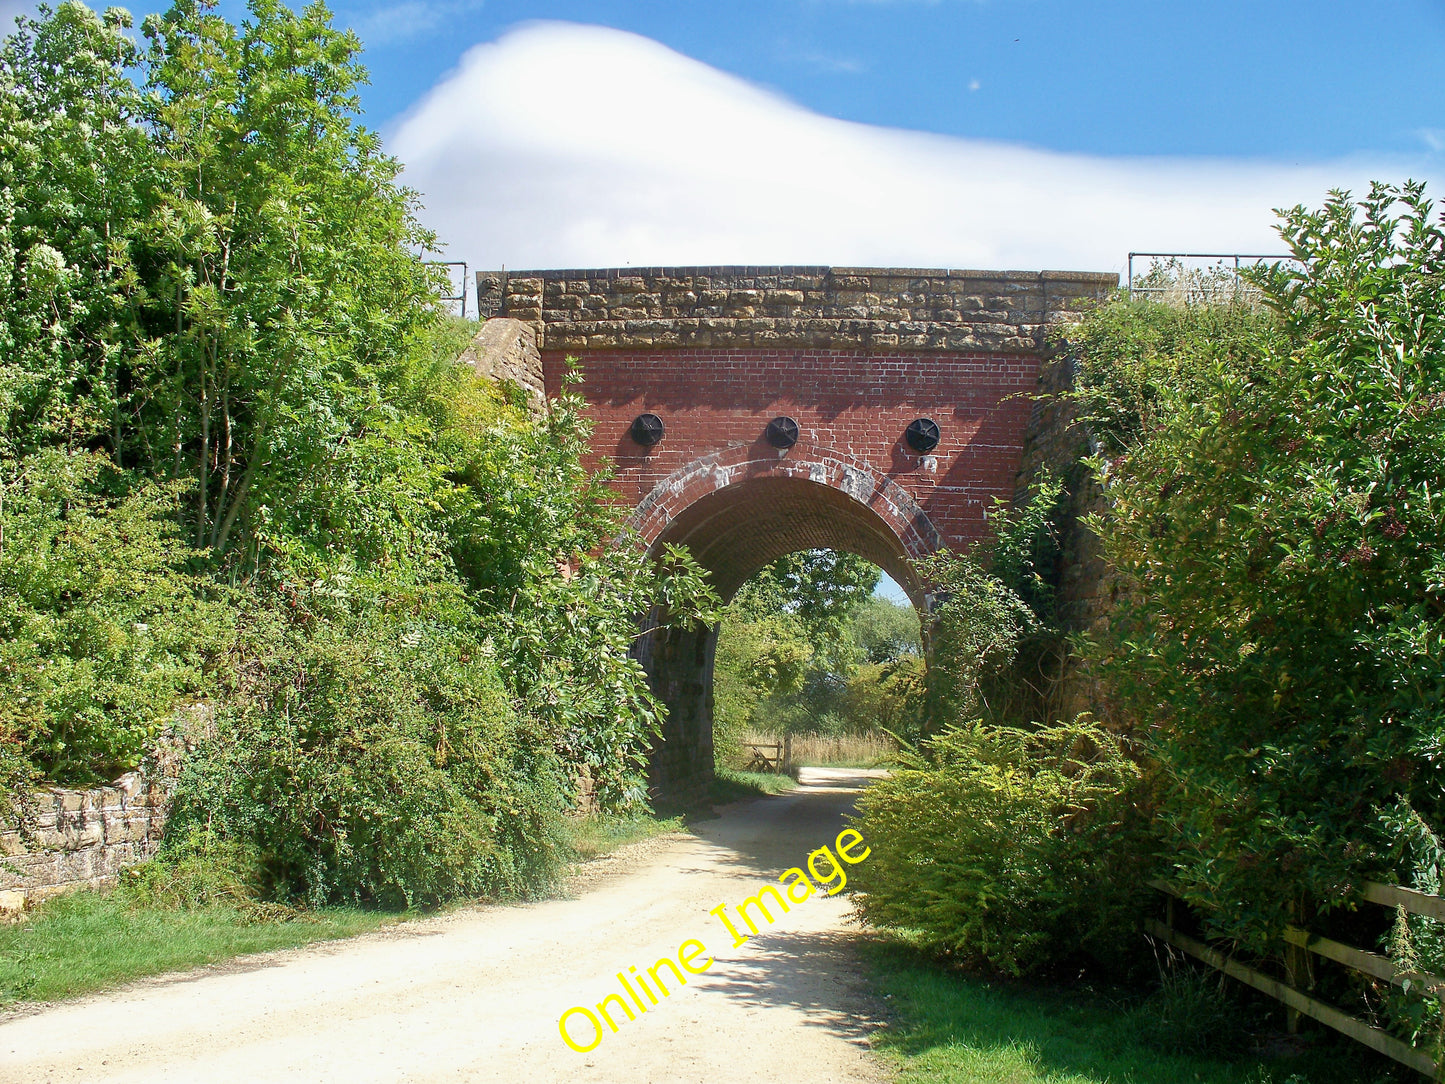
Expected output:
(736, 530)
(733, 531)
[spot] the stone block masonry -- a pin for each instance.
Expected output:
(71, 839)
(850, 308)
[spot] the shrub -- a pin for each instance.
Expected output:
(372, 762)
(1006, 849)
(103, 628)
(1282, 628)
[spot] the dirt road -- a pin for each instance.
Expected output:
(476, 995)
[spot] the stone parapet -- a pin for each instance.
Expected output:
(868, 308)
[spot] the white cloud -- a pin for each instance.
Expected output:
(827, 63)
(398, 22)
(562, 145)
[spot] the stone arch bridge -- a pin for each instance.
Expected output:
(754, 411)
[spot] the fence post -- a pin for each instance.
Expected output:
(1298, 970)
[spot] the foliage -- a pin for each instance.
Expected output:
(1282, 632)
(884, 631)
(821, 588)
(374, 758)
(103, 627)
(758, 673)
(886, 696)
(199, 869)
(1135, 359)
(1003, 848)
(1022, 550)
(794, 648)
(976, 633)
(241, 461)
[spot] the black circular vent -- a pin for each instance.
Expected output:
(782, 432)
(647, 429)
(922, 434)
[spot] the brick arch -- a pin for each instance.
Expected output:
(739, 509)
(736, 510)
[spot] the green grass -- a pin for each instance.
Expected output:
(598, 833)
(732, 785)
(953, 1029)
(86, 941)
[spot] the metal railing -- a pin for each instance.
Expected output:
(1237, 257)
(461, 294)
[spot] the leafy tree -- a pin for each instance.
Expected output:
(76, 172)
(884, 631)
(821, 588)
(238, 460)
(286, 278)
(1279, 525)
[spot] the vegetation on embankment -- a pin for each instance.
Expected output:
(239, 464)
(1270, 680)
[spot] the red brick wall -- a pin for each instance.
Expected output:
(855, 403)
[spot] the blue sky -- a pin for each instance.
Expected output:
(962, 133)
(1306, 80)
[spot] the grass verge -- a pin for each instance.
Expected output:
(733, 785)
(953, 1029)
(85, 941)
(598, 833)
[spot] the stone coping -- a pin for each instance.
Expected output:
(1109, 278)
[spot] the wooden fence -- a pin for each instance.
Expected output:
(766, 756)
(1298, 970)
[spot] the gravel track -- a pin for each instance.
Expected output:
(475, 995)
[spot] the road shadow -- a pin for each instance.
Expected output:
(819, 973)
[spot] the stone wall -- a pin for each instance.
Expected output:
(851, 308)
(506, 351)
(1057, 441)
(69, 838)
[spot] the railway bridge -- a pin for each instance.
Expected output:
(751, 412)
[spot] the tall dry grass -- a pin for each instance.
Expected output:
(828, 751)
